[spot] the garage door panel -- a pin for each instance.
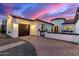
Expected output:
(24, 29)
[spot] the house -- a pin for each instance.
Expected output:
(18, 26)
(57, 28)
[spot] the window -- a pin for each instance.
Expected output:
(42, 27)
(68, 27)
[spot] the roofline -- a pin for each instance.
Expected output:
(21, 17)
(68, 23)
(43, 21)
(58, 19)
(30, 19)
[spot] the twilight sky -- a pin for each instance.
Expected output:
(45, 11)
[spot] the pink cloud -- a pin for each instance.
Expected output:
(7, 9)
(46, 10)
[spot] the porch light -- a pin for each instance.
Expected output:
(33, 26)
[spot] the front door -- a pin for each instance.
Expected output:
(56, 29)
(24, 29)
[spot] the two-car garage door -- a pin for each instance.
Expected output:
(24, 29)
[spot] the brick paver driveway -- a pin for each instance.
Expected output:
(52, 47)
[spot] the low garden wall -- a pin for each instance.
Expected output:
(65, 37)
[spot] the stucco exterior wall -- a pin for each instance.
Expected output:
(15, 30)
(9, 25)
(12, 27)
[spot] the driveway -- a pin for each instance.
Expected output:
(48, 47)
(15, 47)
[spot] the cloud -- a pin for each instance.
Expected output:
(44, 11)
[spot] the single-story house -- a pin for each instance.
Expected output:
(57, 28)
(18, 26)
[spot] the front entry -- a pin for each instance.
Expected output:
(56, 29)
(24, 29)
